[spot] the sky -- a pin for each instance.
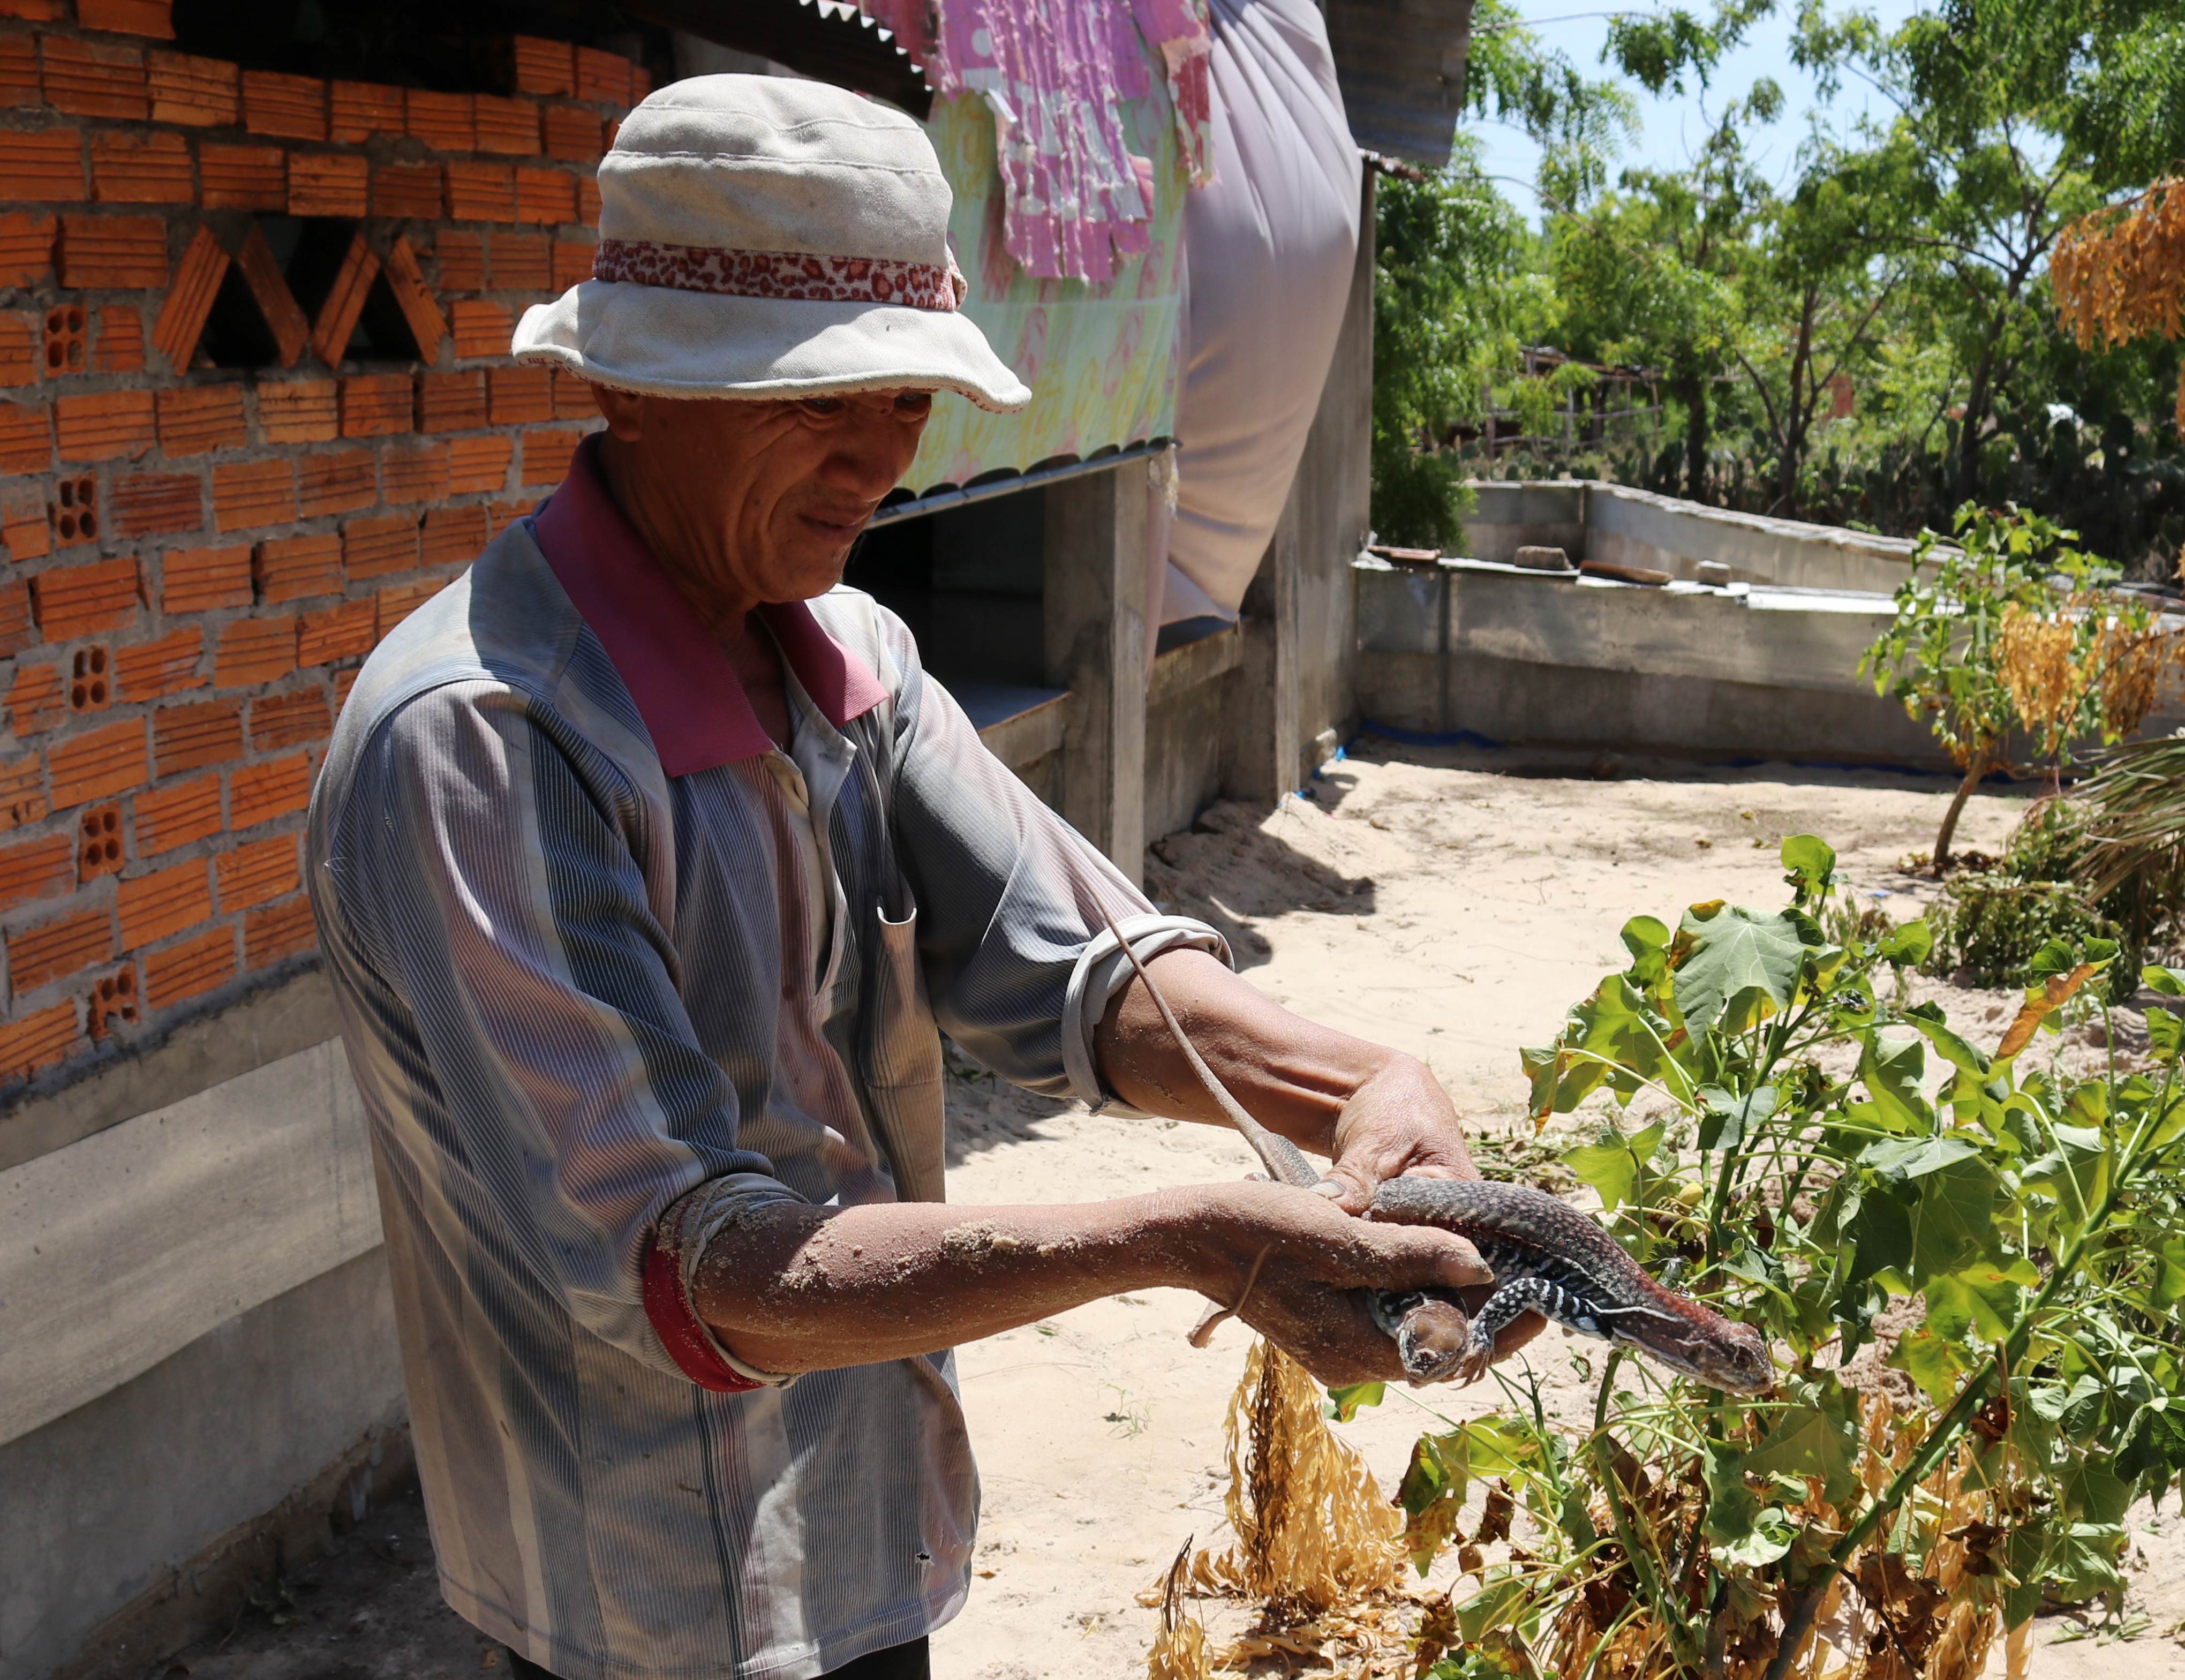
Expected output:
(1672, 128)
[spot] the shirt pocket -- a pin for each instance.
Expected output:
(903, 1061)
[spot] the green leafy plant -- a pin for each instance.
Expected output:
(1995, 921)
(2013, 627)
(1916, 1483)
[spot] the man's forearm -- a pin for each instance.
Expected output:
(794, 1288)
(1295, 1076)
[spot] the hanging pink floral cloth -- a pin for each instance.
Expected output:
(1054, 73)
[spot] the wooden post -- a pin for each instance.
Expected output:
(1263, 752)
(1096, 648)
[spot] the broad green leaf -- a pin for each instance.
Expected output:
(2166, 982)
(1906, 946)
(2082, 1560)
(2169, 1281)
(1954, 1221)
(1812, 864)
(1741, 966)
(1611, 1166)
(2076, 1171)
(1937, 1364)
(1729, 1120)
(1979, 1303)
(2166, 1035)
(1769, 1537)
(1891, 1068)
(2055, 957)
(1808, 1441)
(1343, 1402)
(1647, 940)
(1955, 1050)
(1437, 1467)
(1493, 1607)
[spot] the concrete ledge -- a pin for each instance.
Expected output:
(1182, 669)
(128, 1245)
(265, 1026)
(1023, 738)
(135, 1524)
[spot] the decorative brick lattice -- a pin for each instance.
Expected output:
(231, 463)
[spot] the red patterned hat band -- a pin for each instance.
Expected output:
(803, 276)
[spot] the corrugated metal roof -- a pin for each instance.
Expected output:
(828, 39)
(1400, 64)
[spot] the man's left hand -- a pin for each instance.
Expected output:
(1398, 1120)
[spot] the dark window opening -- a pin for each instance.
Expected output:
(969, 583)
(236, 334)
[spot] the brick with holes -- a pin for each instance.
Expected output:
(99, 849)
(112, 1002)
(64, 340)
(153, 670)
(90, 680)
(453, 535)
(75, 511)
(444, 121)
(191, 737)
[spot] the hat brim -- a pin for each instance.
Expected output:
(666, 342)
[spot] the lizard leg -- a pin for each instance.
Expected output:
(1510, 1301)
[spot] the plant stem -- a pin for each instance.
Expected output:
(1642, 1563)
(1975, 768)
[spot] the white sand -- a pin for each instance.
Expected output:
(1454, 909)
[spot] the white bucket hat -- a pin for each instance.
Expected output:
(765, 238)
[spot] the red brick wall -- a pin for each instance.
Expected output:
(194, 560)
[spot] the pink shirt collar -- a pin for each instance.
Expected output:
(685, 689)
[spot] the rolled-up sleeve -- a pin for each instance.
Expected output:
(1019, 960)
(482, 870)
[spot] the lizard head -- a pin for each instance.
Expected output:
(1716, 1351)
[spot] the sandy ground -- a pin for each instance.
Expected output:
(1453, 906)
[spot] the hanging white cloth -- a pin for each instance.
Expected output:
(1269, 245)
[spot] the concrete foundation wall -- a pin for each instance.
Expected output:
(153, 1507)
(1626, 527)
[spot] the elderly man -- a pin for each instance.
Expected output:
(647, 859)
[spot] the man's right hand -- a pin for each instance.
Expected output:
(1308, 1296)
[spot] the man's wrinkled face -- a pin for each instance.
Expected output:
(750, 503)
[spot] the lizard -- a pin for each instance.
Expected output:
(1546, 1256)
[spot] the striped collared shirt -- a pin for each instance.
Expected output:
(563, 885)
